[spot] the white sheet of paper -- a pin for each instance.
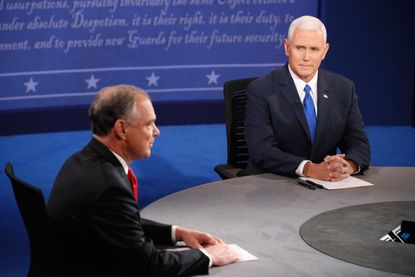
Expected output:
(350, 182)
(245, 255)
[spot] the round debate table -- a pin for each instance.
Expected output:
(263, 214)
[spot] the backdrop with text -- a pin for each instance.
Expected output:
(60, 53)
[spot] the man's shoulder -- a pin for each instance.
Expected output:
(91, 167)
(271, 78)
(275, 74)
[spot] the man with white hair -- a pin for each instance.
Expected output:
(299, 116)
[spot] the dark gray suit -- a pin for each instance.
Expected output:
(98, 225)
(276, 129)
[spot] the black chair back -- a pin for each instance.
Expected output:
(235, 105)
(44, 256)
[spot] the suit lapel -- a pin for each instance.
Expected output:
(323, 104)
(289, 92)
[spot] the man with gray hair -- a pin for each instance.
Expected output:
(93, 203)
(299, 116)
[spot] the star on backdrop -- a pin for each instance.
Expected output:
(212, 77)
(92, 82)
(152, 80)
(31, 85)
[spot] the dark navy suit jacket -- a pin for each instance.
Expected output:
(98, 225)
(276, 128)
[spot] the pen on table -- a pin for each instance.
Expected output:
(315, 184)
(305, 184)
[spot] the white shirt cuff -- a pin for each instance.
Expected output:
(357, 171)
(173, 233)
(300, 168)
(207, 255)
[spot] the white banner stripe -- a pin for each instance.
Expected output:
(136, 68)
(80, 94)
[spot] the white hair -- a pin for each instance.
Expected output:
(308, 23)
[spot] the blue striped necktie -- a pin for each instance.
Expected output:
(310, 112)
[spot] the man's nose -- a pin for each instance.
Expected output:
(156, 131)
(306, 55)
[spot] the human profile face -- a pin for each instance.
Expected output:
(305, 51)
(141, 132)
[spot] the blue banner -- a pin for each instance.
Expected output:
(55, 53)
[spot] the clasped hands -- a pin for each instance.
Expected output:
(332, 168)
(219, 252)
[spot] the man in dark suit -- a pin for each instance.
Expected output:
(93, 203)
(298, 116)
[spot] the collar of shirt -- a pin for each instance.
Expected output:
(300, 84)
(122, 162)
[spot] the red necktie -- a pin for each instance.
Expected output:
(133, 181)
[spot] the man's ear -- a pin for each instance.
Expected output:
(327, 46)
(286, 47)
(120, 129)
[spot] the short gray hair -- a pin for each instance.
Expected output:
(308, 23)
(112, 103)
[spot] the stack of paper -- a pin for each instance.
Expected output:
(350, 182)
